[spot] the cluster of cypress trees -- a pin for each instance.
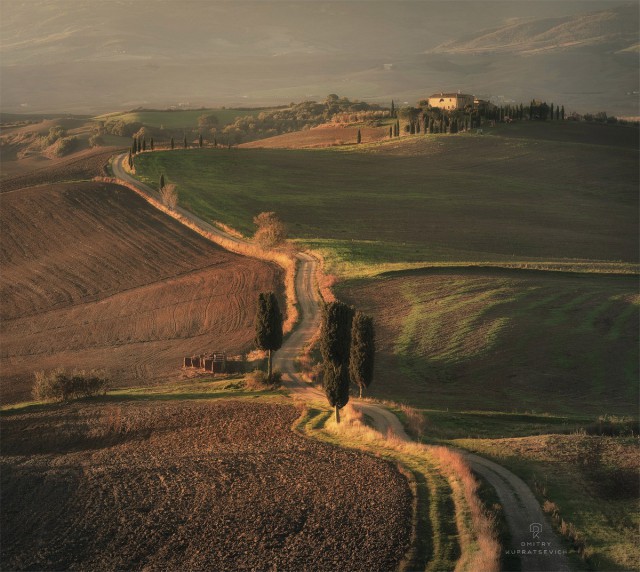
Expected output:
(347, 345)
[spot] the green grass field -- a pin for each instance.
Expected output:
(504, 340)
(425, 199)
(187, 119)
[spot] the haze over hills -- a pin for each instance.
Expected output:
(103, 56)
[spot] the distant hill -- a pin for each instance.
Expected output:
(615, 28)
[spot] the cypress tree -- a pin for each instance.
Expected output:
(215, 141)
(134, 147)
(173, 143)
(412, 128)
(557, 113)
(200, 140)
(398, 128)
(144, 144)
(130, 159)
(161, 182)
(268, 326)
(418, 126)
(359, 137)
(151, 142)
(393, 109)
(335, 343)
(562, 113)
(551, 112)
(139, 145)
(361, 356)
(185, 141)
(390, 132)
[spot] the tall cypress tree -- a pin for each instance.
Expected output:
(390, 132)
(173, 143)
(361, 356)
(552, 112)
(185, 142)
(393, 109)
(134, 147)
(562, 113)
(151, 142)
(335, 343)
(161, 182)
(130, 160)
(139, 145)
(144, 143)
(359, 137)
(268, 326)
(200, 141)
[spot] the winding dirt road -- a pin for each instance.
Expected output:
(540, 549)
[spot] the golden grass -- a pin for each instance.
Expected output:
(477, 532)
(284, 258)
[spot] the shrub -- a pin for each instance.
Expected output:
(58, 385)
(259, 380)
(271, 230)
(169, 196)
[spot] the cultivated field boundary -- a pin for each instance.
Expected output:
(288, 260)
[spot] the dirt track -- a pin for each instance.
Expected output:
(93, 277)
(192, 486)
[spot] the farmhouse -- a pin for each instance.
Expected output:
(451, 100)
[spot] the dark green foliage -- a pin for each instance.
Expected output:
(215, 142)
(144, 144)
(336, 385)
(185, 142)
(151, 143)
(551, 113)
(161, 182)
(390, 132)
(173, 143)
(359, 137)
(361, 357)
(130, 159)
(268, 325)
(139, 143)
(134, 147)
(562, 113)
(393, 109)
(335, 333)
(200, 140)
(335, 344)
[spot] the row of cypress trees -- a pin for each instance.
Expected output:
(347, 346)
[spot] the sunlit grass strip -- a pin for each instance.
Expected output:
(286, 260)
(452, 529)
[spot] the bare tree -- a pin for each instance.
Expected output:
(271, 230)
(169, 196)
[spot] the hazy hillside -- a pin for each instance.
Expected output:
(617, 28)
(105, 56)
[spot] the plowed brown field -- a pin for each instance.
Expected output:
(192, 486)
(91, 276)
(322, 136)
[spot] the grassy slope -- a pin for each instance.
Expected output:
(592, 481)
(507, 340)
(425, 199)
(187, 119)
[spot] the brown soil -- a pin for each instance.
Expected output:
(83, 165)
(321, 136)
(206, 486)
(91, 276)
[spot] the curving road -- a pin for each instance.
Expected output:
(530, 532)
